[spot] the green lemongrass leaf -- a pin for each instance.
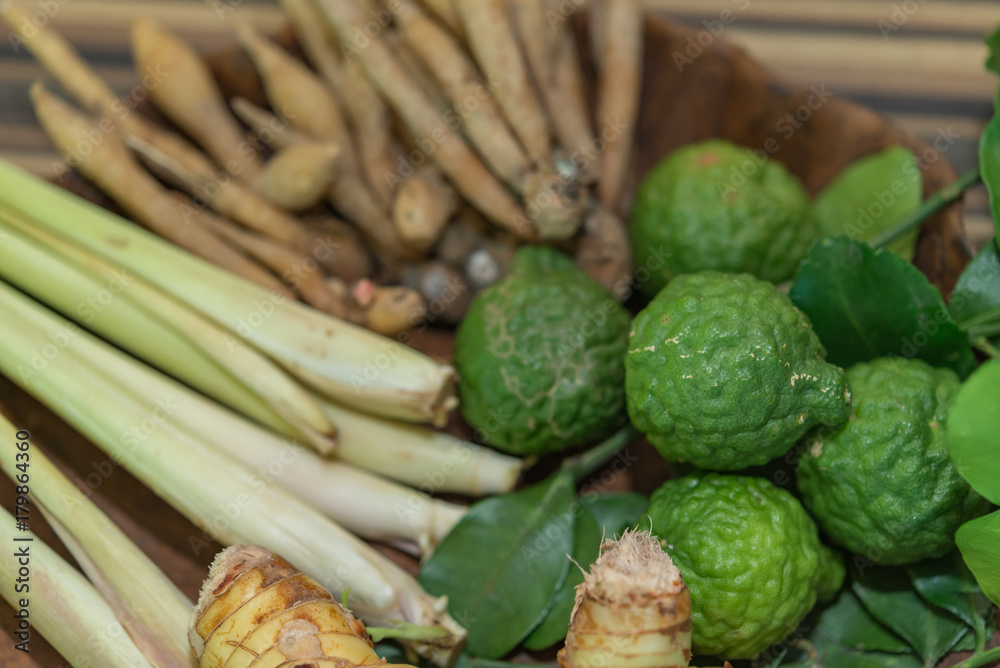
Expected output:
(344, 362)
(866, 303)
(615, 512)
(145, 601)
(847, 623)
(889, 597)
(973, 428)
(176, 461)
(989, 166)
(948, 583)
(979, 542)
(586, 547)
(870, 196)
(64, 606)
(975, 302)
(503, 561)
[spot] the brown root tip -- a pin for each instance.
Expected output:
(633, 568)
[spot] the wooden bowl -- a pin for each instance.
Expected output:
(721, 93)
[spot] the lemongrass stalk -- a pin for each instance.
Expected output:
(342, 361)
(151, 608)
(157, 328)
(65, 608)
(369, 506)
(430, 460)
(213, 490)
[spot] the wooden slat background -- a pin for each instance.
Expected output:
(927, 75)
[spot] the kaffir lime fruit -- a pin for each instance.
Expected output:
(715, 205)
(882, 484)
(724, 372)
(750, 555)
(541, 356)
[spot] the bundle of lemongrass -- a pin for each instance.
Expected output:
(301, 376)
(457, 131)
(123, 612)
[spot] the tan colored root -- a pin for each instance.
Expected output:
(299, 95)
(340, 248)
(424, 205)
(463, 168)
(368, 114)
(471, 98)
(189, 96)
(604, 252)
(389, 310)
(255, 607)
(299, 177)
(446, 13)
(301, 274)
(110, 165)
(494, 45)
(555, 66)
(620, 86)
(229, 197)
(271, 130)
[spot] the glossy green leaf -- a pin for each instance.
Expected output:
(975, 302)
(889, 597)
(847, 623)
(614, 512)
(870, 196)
(502, 563)
(973, 430)
(948, 583)
(989, 165)
(979, 542)
(586, 547)
(866, 303)
(822, 653)
(599, 516)
(993, 60)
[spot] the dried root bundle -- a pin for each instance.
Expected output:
(257, 609)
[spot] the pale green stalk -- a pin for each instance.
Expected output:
(340, 360)
(430, 460)
(63, 606)
(154, 612)
(212, 489)
(369, 506)
(147, 323)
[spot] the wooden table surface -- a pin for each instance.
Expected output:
(923, 69)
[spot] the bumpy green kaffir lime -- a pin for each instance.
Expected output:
(882, 484)
(724, 372)
(541, 357)
(715, 205)
(750, 555)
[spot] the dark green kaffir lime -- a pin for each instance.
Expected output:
(541, 357)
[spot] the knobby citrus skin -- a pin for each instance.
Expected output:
(724, 372)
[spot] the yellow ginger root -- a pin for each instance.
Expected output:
(256, 609)
(632, 609)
